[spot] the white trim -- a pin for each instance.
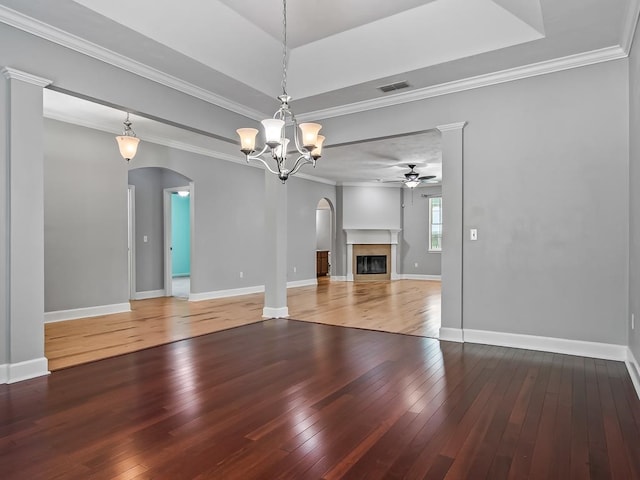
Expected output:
(150, 294)
(486, 80)
(338, 278)
(4, 373)
(13, 74)
(62, 315)
(303, 283)
(236, 292)
(410, 276)
(581, 348)
(451, 126)
(451, 335)
(397, 184)
(233, 292)
(17, 372)
(630, 23)
(166, 235)
(634, 370)
(55, 35)
(131, 240)
(270, 312)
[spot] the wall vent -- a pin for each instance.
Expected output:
(394, 86)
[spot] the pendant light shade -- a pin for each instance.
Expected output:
(128, 141)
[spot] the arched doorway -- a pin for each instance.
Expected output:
(325, 233)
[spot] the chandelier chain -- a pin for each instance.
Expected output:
(284, 47)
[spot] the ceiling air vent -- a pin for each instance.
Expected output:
(394, 86)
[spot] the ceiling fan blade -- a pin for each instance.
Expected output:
(427, 177)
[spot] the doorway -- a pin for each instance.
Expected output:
(177, 214)
(324, 238)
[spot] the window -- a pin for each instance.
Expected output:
(435, 224)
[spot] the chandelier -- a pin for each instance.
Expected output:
(128, 141)
(307, 142)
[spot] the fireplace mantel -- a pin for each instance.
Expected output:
(372, 236)
(363, 236)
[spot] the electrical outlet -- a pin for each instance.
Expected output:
(415, 265)
(473, 234)
(295, 269)
(145, 239)
(241, 274)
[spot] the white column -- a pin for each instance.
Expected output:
(275, 285)
(452, 213)
(24, 219)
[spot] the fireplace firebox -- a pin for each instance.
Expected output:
(371, 264)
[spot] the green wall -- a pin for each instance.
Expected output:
(180, 235)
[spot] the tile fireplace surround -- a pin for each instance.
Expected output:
(372, 242)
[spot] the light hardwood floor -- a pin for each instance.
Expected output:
(405, 306)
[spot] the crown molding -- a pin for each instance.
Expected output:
(630, 24)
(509, 75)
(372, 184)
(13, 74)
(40, 29)
(451, 126)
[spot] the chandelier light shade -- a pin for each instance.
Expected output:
(304, 137)
(412, 183)
(128, 141)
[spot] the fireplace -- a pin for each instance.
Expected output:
(371, 262)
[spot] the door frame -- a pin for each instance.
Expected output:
(167, 192)
(131, 240)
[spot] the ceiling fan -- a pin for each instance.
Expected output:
(413, 178)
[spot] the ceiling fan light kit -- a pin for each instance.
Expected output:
(413, 178)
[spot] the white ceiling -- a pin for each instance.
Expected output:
(340, 52)
(327, 37)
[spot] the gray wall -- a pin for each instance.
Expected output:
(634, 197)
(545, 167)
(323, 229)
(85, 218)
(414, 246)
(150, 183)
(303, 197)
(371, 207)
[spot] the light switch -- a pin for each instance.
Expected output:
(473, 234)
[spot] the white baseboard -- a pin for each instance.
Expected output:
(606, 351)
(338, 278)
(150, 294)
(634, 370)
(62, 315)
(17, 372)
(451, 334)
(4, 373)
(408, 276)
(233, 292)
(303, 283)
(270, 312)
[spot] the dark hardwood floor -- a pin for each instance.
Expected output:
(287, 399)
